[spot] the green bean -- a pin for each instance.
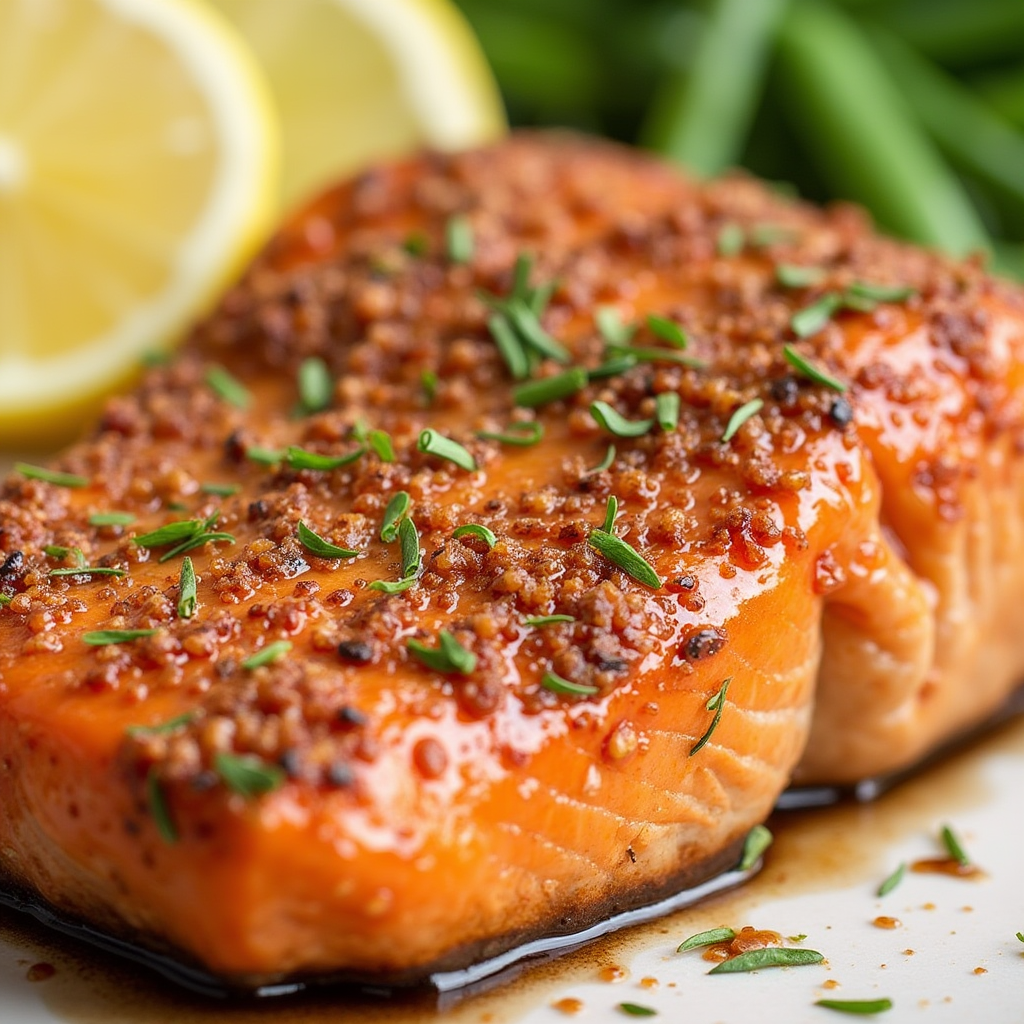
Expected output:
(868, 145)
(702, 115)
(971, 134)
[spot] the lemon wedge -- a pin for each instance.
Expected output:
(137, 172)
(361, 80)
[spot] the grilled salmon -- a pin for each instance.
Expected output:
(495, 554)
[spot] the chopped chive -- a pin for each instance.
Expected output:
(449, 656)
(893, 880)
(708, 938)
(227, 387)
(87, 570)
(666, 410)
(612, 367)
(161, 728)
(267, 655)
(521, 275)
(396, 510)
(187, 598)
(197, 542)
(428, 381)
(540, 296)
(532, 334)
(667, 330)
(793, 275)
(159, 810)
(881, 292)
(538, 621)
(610, 325)
(954, 847)
(433, 443)
(771, 956)
(615, 423)
(393, 587)
(557, 684)
(461, 244)
(858, 1006)
(5, 600)
(763, 235)
(478, 531)
(266, 456)
(416, 244)
(103, 637)
(509, 346)
(809, 370)
(409, 545)
(605, 463)
(731, 239)
(220, 490)
(1020, 935)
(316, 388)
(299, 458)
(59, 551)
(611, 510)
(523, 435)
(759, 838)
(50, 476)
(247, 775)
(111, 519)
(740, 416)
(636, 1010)
(380, 442)
(716, 704)
(812, 318)
(659, 355)
(316, 545)
(551, 389)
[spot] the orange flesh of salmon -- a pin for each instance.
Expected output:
(852, 581)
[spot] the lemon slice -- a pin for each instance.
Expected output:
(360, 80)
(137, 172)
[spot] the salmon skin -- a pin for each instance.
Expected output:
(743, 488)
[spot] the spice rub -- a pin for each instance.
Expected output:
(494, 555)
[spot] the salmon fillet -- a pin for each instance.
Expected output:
(376, 758)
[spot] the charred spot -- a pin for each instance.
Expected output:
(291, 761)
(351, 717)
(235, 447)
(258, 510)
(684, 584)
(358, 652)
(341, 775)
(840, 412)
(608, 663)
(631, 854)
(785, 390)
(13, 564)
(204, 781)
(705, 643)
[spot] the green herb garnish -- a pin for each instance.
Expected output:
(1020, 935)
(478, 531)
(396, 510)
(731, 240)
(615, 423)
(859, 1006)
(740, 416)
(172, 533)
(87, 570)
(187, 598)
(61, 552)
(772, 956)
(666, 410)
(636, 1010)
(50, 476)
(893, 880)
(557, 684)
(461, 244)
(221, 490)
(611, 510)
(532, 334)
(792, 275)
(812, 318)
(159, 810)
(5, 600)
(605, 463)
(716, 704)
(103, 637)
(667, 330)
(267, 655)
(299, 458)
(610, 325)
(266, 456)
(809, 370)
(161, 728)
(197, 542)
(111, 519)
(509, 346)
(520, 434)
(551, 389)
(707, 938)
(433, 443)
(547, 620)
(393, 587)
(415, 244)
(428, 381)
(247, 775)
(449, 656)
(622, 554)
(409, 545)
(953, 846)
(612, 367)
(227, 387)
(881, 292)
(316, 388)
(316, 545)
(659, 355)
(380, 442)
(759, 838)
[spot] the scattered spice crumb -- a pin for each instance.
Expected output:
(40, 972)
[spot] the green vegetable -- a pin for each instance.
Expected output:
(636, 1010)
(550, 389)
(615, 423)
(478, 531)
(396, 510)
(227, 387)
(103, 637)
(459, 239)
(448, 657)
(610, 326)
(187, 598)
(556, 684)
(954, 847)
(432, 443)
(857, 1006)
(759, 838)
(247, 775)
(267, 655)
(299, 458)
(740, 416)
(628, 559)
(667, 330)
(111, 519)
(316, 388)
(893, 880)
(771, 956)
(522, 435)
(547, 620)
(50, 476)
(316, 545)
(716, 704)
(159, 809)
(708, 938)
(802, 364)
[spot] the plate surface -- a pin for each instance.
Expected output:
(951, 956)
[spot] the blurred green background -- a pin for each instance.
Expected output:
(914, 108)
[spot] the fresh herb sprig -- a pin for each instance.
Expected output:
(448, 658)
(716, 704)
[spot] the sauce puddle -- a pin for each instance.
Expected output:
(814, 850)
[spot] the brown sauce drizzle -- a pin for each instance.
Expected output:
(946, 866)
